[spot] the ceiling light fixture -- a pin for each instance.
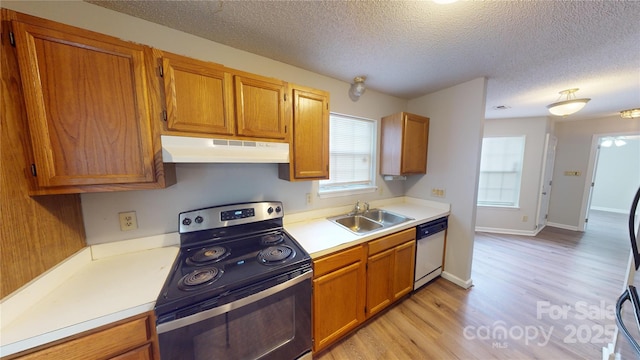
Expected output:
(630, 114)
(357, 88)
(569, 105)
(617, 141)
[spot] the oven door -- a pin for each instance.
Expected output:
(272, 324)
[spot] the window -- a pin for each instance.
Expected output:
(352, 156)
(500, 171)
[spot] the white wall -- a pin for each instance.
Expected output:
(205, 185)
(455, 140)
(617, 177)
(572, 154)
(510, 219)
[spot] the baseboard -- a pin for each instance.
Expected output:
(562, 226)
(507, 231)
(465, 284)
(606, 209)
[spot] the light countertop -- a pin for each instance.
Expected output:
(105, 283)
(320, 236)
(84, 292)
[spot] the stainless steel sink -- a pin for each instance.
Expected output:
(368, 221)
(386, 218)
(357, 223)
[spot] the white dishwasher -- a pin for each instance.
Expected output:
(429, 250)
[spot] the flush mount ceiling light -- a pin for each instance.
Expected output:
(630, 114)
(357, 88)
(569, 105)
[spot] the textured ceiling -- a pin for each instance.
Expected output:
(529, 51)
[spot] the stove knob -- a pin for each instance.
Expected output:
(278, 209)
(199, 219)
(270, 210)
(186, 221)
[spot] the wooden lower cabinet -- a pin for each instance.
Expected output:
(390, 269)
(144, 352)
(338, 295)
(352, 285)
(134, 338)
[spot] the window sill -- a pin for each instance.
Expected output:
(347, 192)
(501, 207)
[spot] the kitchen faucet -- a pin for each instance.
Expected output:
(357, 208)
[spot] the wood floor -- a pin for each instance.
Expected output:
(546, 297)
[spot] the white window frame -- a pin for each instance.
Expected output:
(328, 188)
(508, 170)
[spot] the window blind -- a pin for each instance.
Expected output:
(351, 149)
(501, 171)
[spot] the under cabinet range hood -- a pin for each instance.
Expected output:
(182, 149)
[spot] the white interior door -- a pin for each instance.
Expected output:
(593, 183)
(545, 185)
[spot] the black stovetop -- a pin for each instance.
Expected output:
(217, 266)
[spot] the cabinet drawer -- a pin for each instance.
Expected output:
(332, 262)
(390, 241)
(142, 353)
(100, 345)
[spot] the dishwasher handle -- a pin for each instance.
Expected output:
(431, 228)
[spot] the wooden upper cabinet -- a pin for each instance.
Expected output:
(309, 155)
(404, 144)
(88, 107)
(198, 96)
(260, 107)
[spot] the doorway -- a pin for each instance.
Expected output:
(614, 173)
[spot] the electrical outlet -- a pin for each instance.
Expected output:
(128, 221)
(309, 198)
(435, 192)
(525, 218)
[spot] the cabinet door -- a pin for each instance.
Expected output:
(415, 135)
(309, 156)
(87, 106)
(198, 96)
(403, 269)
(379, 281)
(338, 303)
(260, 107)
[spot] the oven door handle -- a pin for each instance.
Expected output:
(204, 315)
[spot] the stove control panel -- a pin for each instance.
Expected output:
(229, 215)
(238, 214)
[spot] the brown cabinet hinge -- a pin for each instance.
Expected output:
(164, 115)
(285, 97)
